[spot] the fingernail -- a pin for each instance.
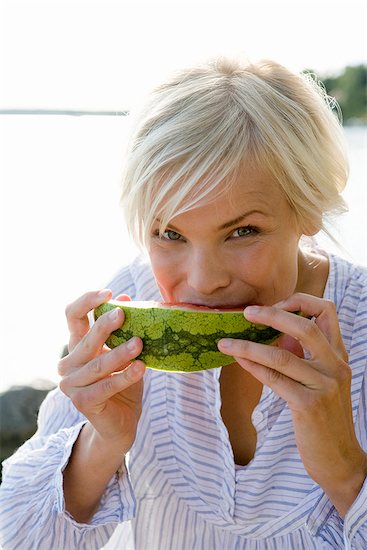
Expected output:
(104, 293)
(113, 315)
(225, 343)
(137, 368)
(252, 310)
(131, 344)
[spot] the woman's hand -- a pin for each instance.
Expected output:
(317, 389)
(105, 385)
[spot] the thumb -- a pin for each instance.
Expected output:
(123, 298)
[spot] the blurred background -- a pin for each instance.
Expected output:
(69, 73)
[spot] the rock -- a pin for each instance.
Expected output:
(18, 413)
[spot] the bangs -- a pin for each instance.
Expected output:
(189, 166)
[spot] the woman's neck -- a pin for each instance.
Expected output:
(313, 272)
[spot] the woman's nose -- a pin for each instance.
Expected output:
(206, 273)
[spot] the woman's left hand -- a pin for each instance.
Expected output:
(317, 389)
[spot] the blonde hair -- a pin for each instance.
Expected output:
(207, 122)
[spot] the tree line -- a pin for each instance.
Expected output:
(349, 88)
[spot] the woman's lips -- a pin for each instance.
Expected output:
(189, 303)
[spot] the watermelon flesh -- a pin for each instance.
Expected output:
(182, 337)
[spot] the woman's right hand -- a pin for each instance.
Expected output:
(105, 385)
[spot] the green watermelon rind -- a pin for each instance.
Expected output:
(181, 340)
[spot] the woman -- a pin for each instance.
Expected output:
(230, 168)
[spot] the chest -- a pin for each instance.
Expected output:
(240, 393)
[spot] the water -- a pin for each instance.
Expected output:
(63, 234)
(351, 228)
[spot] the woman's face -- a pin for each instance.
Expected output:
(239, 249)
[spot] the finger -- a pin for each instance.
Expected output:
(92, 343)
(301, 328)
(100, 392)
(105, 364)
(278, 359)
(77, 314)
(323, 311)
(288, 389)
(66, 365)
(121, 381)
(123, 298)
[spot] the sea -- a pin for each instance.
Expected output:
(62, 229)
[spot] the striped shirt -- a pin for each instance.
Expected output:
(179, 488)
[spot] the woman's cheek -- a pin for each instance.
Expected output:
(166, 269)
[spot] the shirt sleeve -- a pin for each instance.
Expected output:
(325, 523)
(123, 281)
(355, 522)
(31, 495)
(324, 520)
(33, 514)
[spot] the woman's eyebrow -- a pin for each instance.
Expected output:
(228, 224)
(240, 218)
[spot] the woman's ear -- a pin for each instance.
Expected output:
(311, 227)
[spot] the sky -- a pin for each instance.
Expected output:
(86, 54)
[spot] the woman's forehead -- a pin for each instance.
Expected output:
(253, 187)
(230, 206)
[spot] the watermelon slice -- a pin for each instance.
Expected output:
(182, 337)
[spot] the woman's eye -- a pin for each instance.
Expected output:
(244, 231)
(171, 235)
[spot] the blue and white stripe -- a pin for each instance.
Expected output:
(180, 488)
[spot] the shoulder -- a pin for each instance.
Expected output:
(135, 279)
(347, 281)
(348, 268)
(347, 288)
